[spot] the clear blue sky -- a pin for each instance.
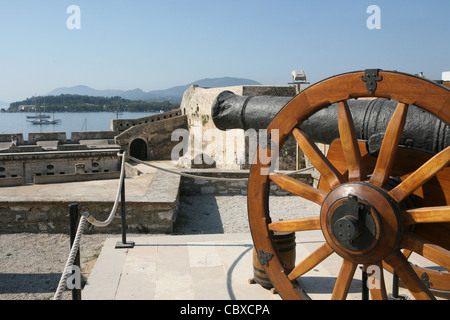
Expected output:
(157, 44)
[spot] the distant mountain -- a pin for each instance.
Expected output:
(84, 91)
(173, 95)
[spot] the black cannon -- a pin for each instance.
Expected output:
(422, 131)
(372, 206)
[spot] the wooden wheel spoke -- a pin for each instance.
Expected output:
(317, 158)
(376, 278)
(356, 170)
(299, 188)
(311, 261)
(404, 270)
(426, 249)
(294, 225)
(389, 146)
(344, 280)
(428, 170)
(427, 215)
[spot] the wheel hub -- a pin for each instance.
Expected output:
(354, 226)
(361, 222)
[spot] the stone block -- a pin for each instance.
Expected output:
(207, 190)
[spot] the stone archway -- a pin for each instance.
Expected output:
(138, 149)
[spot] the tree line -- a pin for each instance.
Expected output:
(79, 103)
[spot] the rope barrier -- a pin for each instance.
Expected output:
(105, 223)
(193, 176)
(86, 215)
(70, 260)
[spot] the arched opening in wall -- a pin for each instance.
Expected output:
(138, 149)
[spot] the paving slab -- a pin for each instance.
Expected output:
(207, 267)
(170, 267)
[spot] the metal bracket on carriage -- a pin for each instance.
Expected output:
(426, 280)
(371, 78)
(264, 257)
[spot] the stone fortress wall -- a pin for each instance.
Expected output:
(196, 104)
(49, 157)
(94, 155)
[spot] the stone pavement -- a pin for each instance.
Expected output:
(203, 267)
(194, 267)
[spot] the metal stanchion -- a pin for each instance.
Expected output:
(395, 285)
(123, 244)
(365, 289)
(395, 295)
(73, 223)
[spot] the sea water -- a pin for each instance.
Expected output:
(70, 122)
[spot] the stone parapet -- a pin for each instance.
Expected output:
(53, 217)
(119, 125)
(27, 165)
(197, 103)
(33, 138)
(156, 136)
(191, 186)
(75, 137)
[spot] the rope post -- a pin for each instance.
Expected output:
(365, 289)
(395, 285)
(123, 244)
(73, 226)
(395, 295)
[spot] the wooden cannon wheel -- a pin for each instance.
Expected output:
(359, 199)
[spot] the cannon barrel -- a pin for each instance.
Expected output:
(422, 131)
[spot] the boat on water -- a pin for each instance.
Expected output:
(42, 118)
(45, 121)
(39, 116)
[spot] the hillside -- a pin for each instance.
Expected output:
(173, 95)
(84, 103)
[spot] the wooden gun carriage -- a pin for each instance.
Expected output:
(380, 201)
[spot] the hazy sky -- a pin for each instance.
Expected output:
(157, 44)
